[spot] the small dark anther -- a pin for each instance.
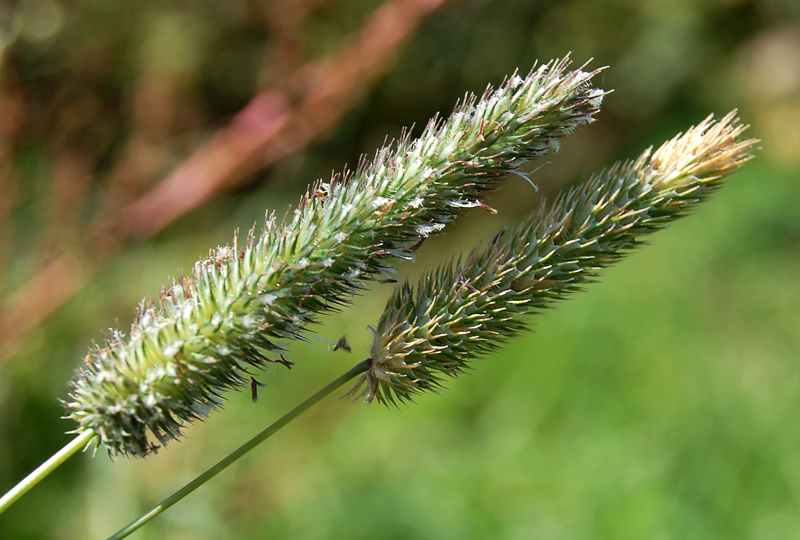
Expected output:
(241, 255)
(181, 366)
(254, 384)
(146, 449)
(342, 344)
(187, 286)
(285, 362)
(418, 245)
(487, 207)
(498, 236)
(468, 285)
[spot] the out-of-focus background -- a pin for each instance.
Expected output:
(662, 404)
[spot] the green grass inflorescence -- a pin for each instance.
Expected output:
(467, 308)
(231, 313)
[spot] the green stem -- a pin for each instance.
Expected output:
(241, 451)
(44, 469)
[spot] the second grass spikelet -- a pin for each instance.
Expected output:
(470, 307)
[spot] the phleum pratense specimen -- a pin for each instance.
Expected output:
(239, 307)
(229, 314)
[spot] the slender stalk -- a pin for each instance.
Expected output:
(44, 469)
(241, 451)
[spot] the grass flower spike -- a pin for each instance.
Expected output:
(468, 308)
(230, 314)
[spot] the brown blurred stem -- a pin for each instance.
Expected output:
(266, 130)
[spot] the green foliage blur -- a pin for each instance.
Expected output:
(664, 403)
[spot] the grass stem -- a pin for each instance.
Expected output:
(44, 469)
(241, 451)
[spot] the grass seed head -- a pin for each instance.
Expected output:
(467, 308)
(230, 316)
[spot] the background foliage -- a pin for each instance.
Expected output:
(660, 405)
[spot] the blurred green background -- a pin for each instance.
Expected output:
(662, 404)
